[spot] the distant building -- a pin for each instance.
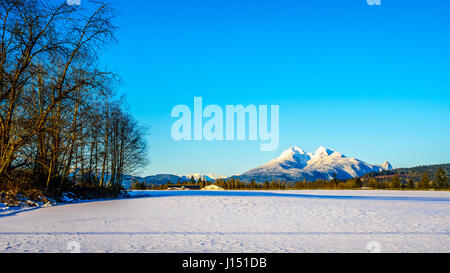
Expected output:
(183, 187)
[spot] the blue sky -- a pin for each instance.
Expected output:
(372, 82)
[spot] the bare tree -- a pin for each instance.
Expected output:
(57, 116)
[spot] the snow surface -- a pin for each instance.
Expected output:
(237, 221)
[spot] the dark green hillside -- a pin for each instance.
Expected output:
(414, 173)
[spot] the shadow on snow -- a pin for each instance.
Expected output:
(138, 193)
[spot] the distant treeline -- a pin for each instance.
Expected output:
(61, 126)
(438, 181)
(414, 173)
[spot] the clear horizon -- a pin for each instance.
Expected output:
(368, 81)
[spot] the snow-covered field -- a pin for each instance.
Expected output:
(237, 221)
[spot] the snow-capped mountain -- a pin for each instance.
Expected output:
(207, 177)
(387, 166)
(292, 164)
(296, 164)
(160, 179)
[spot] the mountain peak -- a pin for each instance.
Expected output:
(295, 149)
(294, 156)
(290, 153)
(322, 151)
(387, 166)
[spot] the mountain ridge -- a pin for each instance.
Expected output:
(292, 164)
(325, 163)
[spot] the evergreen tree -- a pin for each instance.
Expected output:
(358, 183)
(232, 183)
(441, 178)
(335, 180)
(373, 183)
(410, 184)
(424, 183)
(395, 183)
(252, 184)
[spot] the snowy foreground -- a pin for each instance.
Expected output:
(237, 221)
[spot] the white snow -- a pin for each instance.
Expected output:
(212, 188)
(238, 221)
(387, 166)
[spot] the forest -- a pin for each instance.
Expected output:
(63, 127)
